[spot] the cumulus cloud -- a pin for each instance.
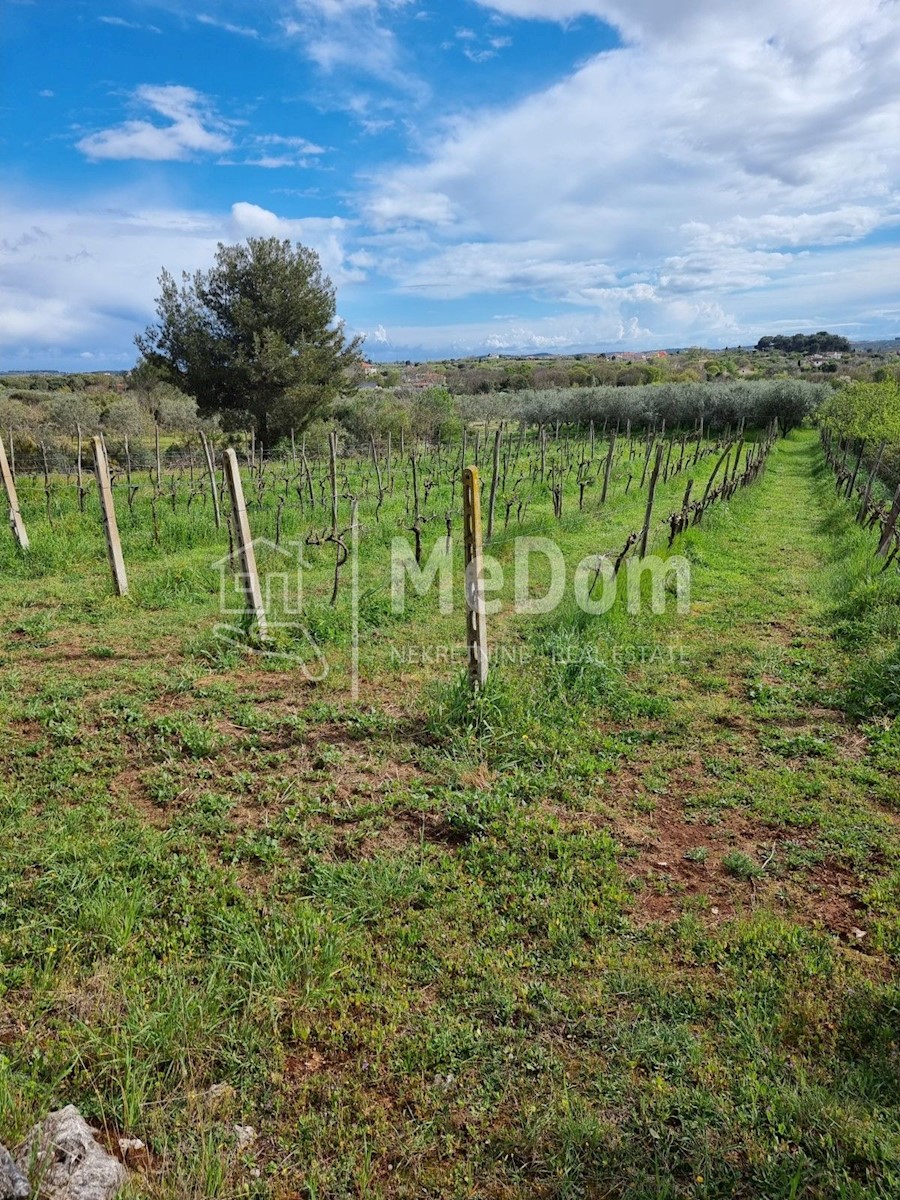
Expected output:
(351, 33)
(86, 280)
(326, 235)
(193, 128)
(700, 158)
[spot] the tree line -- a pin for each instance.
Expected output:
(805, 343)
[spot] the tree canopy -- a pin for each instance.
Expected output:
(866, 410)
(254, 338)
(805, 343)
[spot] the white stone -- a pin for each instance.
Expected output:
(64, 1162)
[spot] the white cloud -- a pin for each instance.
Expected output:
(240, 30)
(273, 151)
(77, 280)
(354, 37)
(121, 23)
(326, 235)
(194, 129)
(849, 289)
(399, 205)
(700, 160)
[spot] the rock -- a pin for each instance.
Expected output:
(217, 1100)
(134, 1154)
(13, 1184)
(66, 1163)
(245, 1136)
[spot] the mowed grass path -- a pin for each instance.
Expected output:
(624, 926)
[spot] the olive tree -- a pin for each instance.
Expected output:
(254, 338)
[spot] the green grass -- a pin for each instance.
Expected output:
(592, 932)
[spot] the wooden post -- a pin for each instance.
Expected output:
(249, 574)
(890, 525)
(108, 508)
(494, 479)
(715, 472)
(645, 532)
(158, 461)
(15, 517)
(332, 475)
(476, 620)
(211, 471)
(737, 461)
(867, 491)
(852, 483)
(699, 442)
(608, 468)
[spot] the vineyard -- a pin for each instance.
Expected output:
(618, 922)
(604, 498)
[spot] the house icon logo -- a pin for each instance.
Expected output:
(281, 584)
(275, 595)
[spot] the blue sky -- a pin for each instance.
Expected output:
(476, 175)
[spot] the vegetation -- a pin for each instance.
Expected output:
(254, 338)
(806, 343)
(623, 924)
(866, 410)
(867, 415)
(677, 406)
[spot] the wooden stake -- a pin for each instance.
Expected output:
(494, 478)
(15, 517)
(890, 524)
(476, 619)
(608, 468)
(867, 491)
(211, 471)
(249, 574)
(332, 470)
(852, 483)
(111, 528)
(645, 532)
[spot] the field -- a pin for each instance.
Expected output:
(622, 924)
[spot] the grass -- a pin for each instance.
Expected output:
(624, 924)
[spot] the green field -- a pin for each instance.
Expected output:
(622, 925)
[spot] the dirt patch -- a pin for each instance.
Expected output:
(675, 860)
(409, 829)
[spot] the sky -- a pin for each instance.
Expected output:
(477, 176)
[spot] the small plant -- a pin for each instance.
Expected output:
(697, 854)
(741, 865)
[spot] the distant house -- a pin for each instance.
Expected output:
(421, 378)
